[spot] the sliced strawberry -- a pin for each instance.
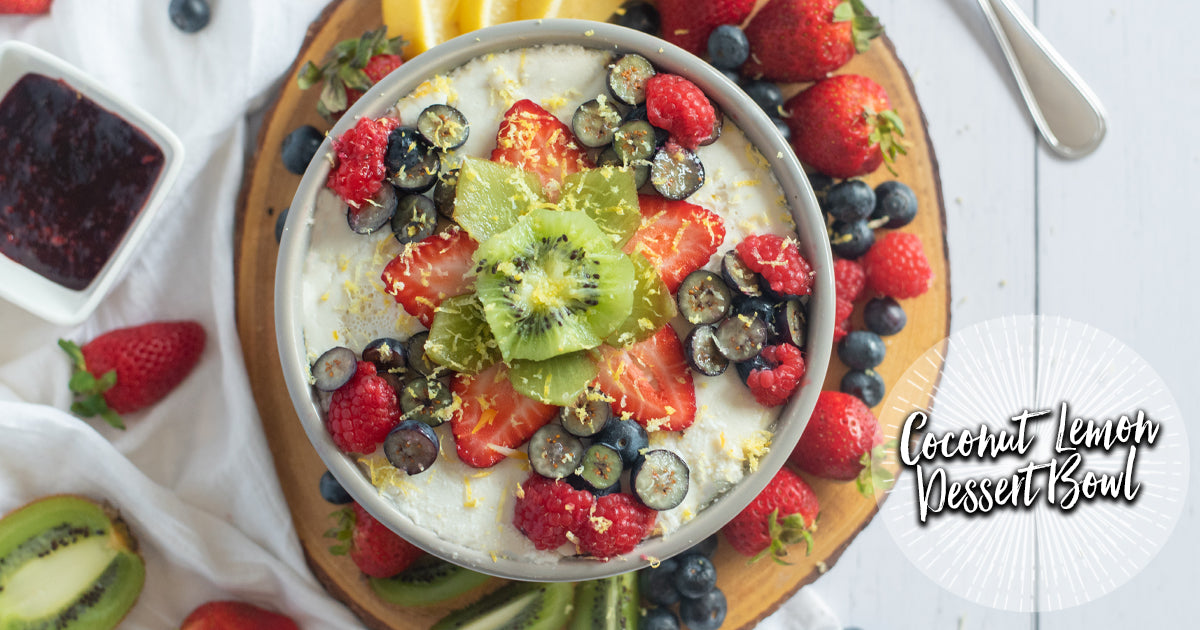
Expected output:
(678, 237)
(430, 271)
(533, 139)
(651, 381)
(492, 417)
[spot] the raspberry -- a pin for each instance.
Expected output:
(615, 525)
(677, 105)
(360, 171)
(363, 411)
(849, 278)
(778, 260)
(842, 311)
(547, 509)
(896, 266)
(772, 387)
(378, 551)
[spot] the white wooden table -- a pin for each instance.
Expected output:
(1106, 240)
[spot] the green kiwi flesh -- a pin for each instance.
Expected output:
(555, 381)
(460, 338)
(607, 195)
(428, 581)
(66, 562)
(653, 305)
(552, 284)
(491, 197)
(515, 606)
(607, 604)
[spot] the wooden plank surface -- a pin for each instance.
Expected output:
(754, 591)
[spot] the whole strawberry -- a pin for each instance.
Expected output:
(615, 524)
(781, 515)
(805, 40)
(350, 69)
(376, 550)
(129, 369)
(841, 442)
(226, 615)
(843, 127)
(363, 411)
(688, 23)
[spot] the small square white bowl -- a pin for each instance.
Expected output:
(32, 291)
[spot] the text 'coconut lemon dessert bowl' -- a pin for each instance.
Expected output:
(521, 292)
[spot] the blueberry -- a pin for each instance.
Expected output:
(884, 316)
(896, 202)
(332, 491)
(728, 47)
(732, 75)
(696, 575)
(784, 129)
(821, 183)
(657, 584)
(706, 612)
(639, 16)
(866, 385)
(299, 147)
(850, 200)
(851, 239)
(626, 437)
(761, 308)
(861, 350)
(766, 94)
(706, 547)
(658, 619)
(279, 222)
(189, 16)
(756, 363)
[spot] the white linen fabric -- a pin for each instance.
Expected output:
(193, 475)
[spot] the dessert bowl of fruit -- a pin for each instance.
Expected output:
(554, 301)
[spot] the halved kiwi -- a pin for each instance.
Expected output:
(460, 338)
(67, 562)
(428, 581)
(607, 604)
(552, 284)
(653, 305)
(555, 381)
(523, 605)
(490, 197)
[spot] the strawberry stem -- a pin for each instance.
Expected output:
(875, 477)
(888, 132)
(863, 26)
(784, 533)
(84, 383)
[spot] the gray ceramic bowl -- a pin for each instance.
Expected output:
(739, 109)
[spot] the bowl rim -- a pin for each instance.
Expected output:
(738, 107)
(34, 292)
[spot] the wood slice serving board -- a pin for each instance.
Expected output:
(753, 591)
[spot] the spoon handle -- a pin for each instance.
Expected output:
(1065, 110)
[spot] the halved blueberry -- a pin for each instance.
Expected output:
(660, 479)
(700, 349)
(444, 193)
(634, 141)
(427, 400)
(757, 362)
(412, 447)
(626, 437)
(676, 172)
(333, 368)
(627, 78)
(704, 298)
(554, 453)
(375, 213)
(763, 309)
(601, 466)
(586, 417)
(738, 276)
(417, 359)
(387, 354)
(741, 338)
(595, 122)
(443, 127)
(415, 219)
(412, 163)
(791, 322)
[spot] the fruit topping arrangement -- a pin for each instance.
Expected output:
(552, 278)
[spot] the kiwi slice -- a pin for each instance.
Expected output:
(607, 604)
(653, 305)
(607, 195)
(555, 381)
(490, 197)
(460, 338)
(552, 284)
(428, 581)
(66, 562)
(515, 606)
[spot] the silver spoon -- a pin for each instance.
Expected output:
(1067, 112)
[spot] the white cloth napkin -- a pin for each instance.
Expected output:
(193, 475)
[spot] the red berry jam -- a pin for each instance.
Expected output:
(73, 177)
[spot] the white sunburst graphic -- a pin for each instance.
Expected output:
(1038, 557)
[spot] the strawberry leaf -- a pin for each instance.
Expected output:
(354, 78)
(875, 477)
(888, 132)
(342, 532)
(864, 26)
(343, 66)
(82, 382)
(310, 74)
(333, 95)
